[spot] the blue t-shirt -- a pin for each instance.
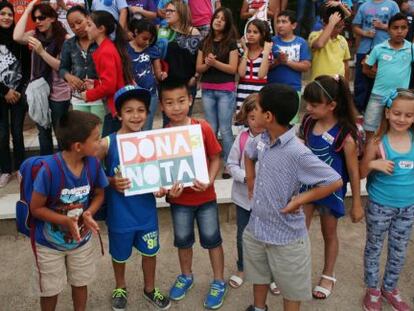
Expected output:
(126, 213)
(394, 67)
(395, 190)
(369, 11)
(142, 67)
(297, 50)
(76, 190)
(111, 6)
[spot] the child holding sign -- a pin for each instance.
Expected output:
(132, 220)
(195, 203)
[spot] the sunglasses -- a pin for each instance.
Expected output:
(39, 18)
(170, 11)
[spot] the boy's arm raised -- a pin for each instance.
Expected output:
(324, 37)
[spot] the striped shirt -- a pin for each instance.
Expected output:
(283, 167)
(251, 82)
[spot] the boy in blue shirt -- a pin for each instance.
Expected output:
(132, 220)
(393, 58)
(275, 242)
(65, 250)
(371, 24)
(291, 54)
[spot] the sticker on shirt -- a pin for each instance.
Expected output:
(406, 165)
(328, 138)
(387, 57)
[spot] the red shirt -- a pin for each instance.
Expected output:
(189, 197)
(109, 69)
(19, 7)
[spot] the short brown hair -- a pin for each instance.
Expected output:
(248, 106)
(75, 127)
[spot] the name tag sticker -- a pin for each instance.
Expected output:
(260, 145)
(406, 165)
(328, 138)
(387, 57)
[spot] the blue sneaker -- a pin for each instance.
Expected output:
(215, 296)
(181, 286)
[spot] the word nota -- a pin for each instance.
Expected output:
(158, 159)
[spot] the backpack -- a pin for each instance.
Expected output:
(244, 136)
(25, 222)
(308, 123)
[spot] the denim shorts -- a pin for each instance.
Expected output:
(145, 241)
(207, 219)
(373, 113)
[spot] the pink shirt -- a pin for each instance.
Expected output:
(60, 89)
(201, 12)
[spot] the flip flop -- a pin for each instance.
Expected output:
(323, 290)
(235, 281)
(274, 289)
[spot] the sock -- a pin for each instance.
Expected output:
(259, 309)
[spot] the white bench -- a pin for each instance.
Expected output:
(222, 186)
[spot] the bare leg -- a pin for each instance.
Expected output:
(48, 303)
(79, 297)
(148, 269)
(328, 226)
(260, 295)
(289, 305)
(119, 271)
(308, 209)
(185, 255)
(217, 262)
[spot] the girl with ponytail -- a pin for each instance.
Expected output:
(329, 131)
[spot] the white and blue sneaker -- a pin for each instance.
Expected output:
(181, 286)
(215, 296)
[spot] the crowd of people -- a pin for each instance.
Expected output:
(90, 71)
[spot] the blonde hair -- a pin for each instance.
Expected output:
(184, 16)
(385, 125)
(248, 106)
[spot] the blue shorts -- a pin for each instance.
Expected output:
(145, 241)
(373, 113)
(207, 221)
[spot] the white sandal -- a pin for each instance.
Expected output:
(274, 289)
(323, 290)
(235, 281)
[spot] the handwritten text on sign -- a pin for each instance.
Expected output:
(158, 158)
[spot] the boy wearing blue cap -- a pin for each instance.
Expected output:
(132, 220)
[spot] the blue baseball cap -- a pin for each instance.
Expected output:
(132, 91)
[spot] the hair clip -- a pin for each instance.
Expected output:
(387, 101)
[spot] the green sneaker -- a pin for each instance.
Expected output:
(119, 299)
(158, 299)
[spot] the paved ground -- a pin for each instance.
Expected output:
(16, 266)
(17, 260)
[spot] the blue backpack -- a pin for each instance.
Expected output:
(29, 170)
